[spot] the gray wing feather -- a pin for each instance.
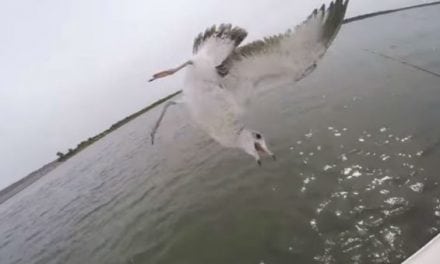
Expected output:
(330, 21)
(224, 31)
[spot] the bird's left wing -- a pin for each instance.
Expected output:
(291, 55)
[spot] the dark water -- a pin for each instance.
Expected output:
(356, 180)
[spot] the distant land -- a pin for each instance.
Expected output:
(21, 184)
(91, 140)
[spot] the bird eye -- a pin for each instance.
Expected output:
(258, 136)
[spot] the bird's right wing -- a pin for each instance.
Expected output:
(289, 56)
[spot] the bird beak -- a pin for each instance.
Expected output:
(262, 149)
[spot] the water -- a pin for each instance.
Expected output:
(356, 180)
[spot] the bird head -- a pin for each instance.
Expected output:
(254, 144)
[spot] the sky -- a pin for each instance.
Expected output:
(72, 68)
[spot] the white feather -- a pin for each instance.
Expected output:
(215, 50)
(212, 108)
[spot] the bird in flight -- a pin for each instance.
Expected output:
(222, 72)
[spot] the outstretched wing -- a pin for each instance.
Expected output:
(217, 43)
(292, 55)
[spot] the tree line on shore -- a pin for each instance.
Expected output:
(70, 152)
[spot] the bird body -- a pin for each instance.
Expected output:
(222, 74)
(213, 108)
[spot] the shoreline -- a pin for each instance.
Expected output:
(32, 177)
(84, 144)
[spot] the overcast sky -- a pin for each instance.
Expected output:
(71, 68)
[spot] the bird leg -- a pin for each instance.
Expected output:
(162, 114)
(169, 72)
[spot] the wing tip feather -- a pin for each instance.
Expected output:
(235, 34)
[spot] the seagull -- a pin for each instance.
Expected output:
(221, 72)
